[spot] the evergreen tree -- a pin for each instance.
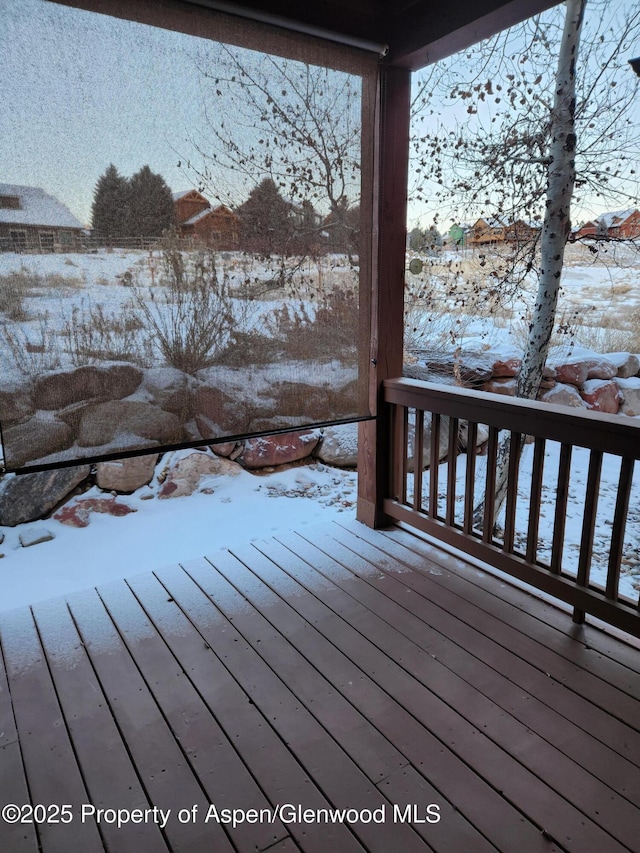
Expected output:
(110, 209)
(267, 220)
(151, 209)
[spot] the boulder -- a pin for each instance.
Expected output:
(271, 450)
(443, 441)
(563, 395)
(571, 372)
(111, 382)
(186, 469)
(600, 368)
(602, 395)
(630, 389)
(214, 406)
(35, 536)
(482, 435)
(296, 399)
(506, 386)
(627, 364)
(506, 367)
(224, 448)
(77, 514)
(169, 389)
(16, 401)
(32, 496)
(339, 446)
(40, 435)
(126, 475)
(102, 423)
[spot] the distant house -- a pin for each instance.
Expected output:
(617, 225)
(31, 220)
(492, 230)
(486, 230)
(217, 227)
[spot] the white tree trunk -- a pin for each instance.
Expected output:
(557, 218)
(555, 231)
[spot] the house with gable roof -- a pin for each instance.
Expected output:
(218, 227)
(31, 220)
(617, 225)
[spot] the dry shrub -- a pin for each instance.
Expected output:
(93, 333)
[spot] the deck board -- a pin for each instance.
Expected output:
(342, 668)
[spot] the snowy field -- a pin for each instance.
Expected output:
(603, 299)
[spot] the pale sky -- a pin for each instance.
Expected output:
(80, 91)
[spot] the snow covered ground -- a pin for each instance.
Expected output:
(249, 506)
(164, 532)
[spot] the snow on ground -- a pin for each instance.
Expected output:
(248, 507)
(163, 532)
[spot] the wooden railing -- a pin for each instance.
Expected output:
(443, 500)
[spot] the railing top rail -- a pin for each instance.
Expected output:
(616, 434)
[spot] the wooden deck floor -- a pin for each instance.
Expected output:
(348, 670)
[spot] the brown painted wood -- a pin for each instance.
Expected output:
(515, 446)
(485, 736)
(511, 683)
(533, 752)
(49, 759)
(490, 485)
(418, 460)
(387, 305)
(560, 515)
(312, 747)
(277, 771)
(442, 768)
(112, 784)
(217, 765)
(535, 498)
(618, 528)
(614, 688)
(162, 765)
(8, 733)
(15, 837)
(434, 451)
(588, 525)
(452, 456)
(470, 476)
(466, 594)
(344, 783)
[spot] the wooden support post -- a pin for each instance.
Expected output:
(387, 303)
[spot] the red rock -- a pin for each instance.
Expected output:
(505, 367)
(572, 373)
(500, 386)
(602, 395)
(77, 514)
(270, 450)
(563, 395)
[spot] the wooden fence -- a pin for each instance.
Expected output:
(444, 505)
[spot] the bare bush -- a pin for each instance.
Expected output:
(36, 353)
(92, 333)
(191, 322)
(14, 288)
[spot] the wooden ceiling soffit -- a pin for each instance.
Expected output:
(422, 33)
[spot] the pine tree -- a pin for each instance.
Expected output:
(267, 222)
(151, 209)
(110, 209)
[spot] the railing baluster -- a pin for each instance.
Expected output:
(490, 486)
(433, 465)
(418, 460)
(452, 456)
(470, 478)
(515, 444)
(619, 524)
(535, 500)
(400, 421)
(588, 526)
(560, 518)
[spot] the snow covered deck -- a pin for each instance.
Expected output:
(367, 670)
